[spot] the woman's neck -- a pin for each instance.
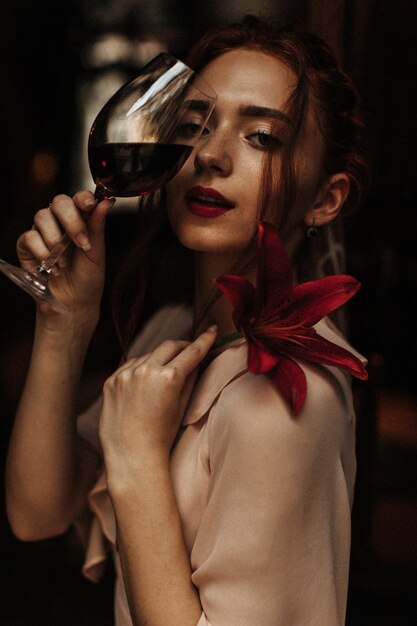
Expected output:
(210, 306)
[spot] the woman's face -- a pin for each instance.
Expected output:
(213, 202)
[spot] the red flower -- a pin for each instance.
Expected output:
(277, 318)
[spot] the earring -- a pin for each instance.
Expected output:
(313, 230)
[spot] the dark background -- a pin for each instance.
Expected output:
(44, 61)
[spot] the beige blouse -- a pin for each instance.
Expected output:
(264, 496)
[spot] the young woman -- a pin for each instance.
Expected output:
(220, 505)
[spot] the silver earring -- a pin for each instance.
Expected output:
(313, 230)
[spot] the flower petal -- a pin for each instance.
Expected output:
(241, 293)
(311, 301)
(290, 379)
(274, 278)
(308, 345)
(277, 319)
(260, 360)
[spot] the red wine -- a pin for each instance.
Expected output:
(133, 169)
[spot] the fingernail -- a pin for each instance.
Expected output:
(110, 204)
(89, 204)
(54, 271)
(83, 241)
(212, 329)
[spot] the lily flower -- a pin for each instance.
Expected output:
(277, 319)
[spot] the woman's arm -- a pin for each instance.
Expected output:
(143, 406)
(155, 562)
(48, 470)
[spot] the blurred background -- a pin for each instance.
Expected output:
(59, 62)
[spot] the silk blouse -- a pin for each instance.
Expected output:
(264, 496)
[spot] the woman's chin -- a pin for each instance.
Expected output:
(210, 238)
(211, 244)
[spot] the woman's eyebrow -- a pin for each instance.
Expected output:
(197, 105)
(250, 110)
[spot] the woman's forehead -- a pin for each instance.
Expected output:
(253, 75)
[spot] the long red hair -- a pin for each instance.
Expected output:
(321, 83)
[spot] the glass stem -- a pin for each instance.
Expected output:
(49, 261)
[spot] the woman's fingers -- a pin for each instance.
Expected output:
(181, 356)
(189, 358)
(85, 201)
(72, 221)
(160, 356)
(31, 249)
(97, 213)
(68, 215)
(166, 351)
(47, 225)
(81, 217)
(34, 245)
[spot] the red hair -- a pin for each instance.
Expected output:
(319, 81)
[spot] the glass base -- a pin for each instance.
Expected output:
(34, 283)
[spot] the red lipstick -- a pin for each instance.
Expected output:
(207, 202)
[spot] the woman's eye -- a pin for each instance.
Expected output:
(187, 130)
(264, 139)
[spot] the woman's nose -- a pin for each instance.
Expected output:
(214, 153)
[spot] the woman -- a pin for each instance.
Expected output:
(220, 506)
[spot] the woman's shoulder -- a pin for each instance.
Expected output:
(252, 410)
(251, 425)
(251, 395)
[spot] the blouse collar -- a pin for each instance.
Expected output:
(225, 367)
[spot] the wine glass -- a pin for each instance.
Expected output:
(140, 139)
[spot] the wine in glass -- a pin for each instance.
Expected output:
(140, 139)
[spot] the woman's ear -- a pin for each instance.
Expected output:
(329, 200)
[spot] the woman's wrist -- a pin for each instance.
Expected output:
(66, 326)
(67, 340)
(131, 474)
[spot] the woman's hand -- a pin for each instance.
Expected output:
(78, 278)
(144, 403)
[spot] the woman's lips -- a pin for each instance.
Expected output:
(207, 202)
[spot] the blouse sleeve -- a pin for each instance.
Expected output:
(273, 546)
